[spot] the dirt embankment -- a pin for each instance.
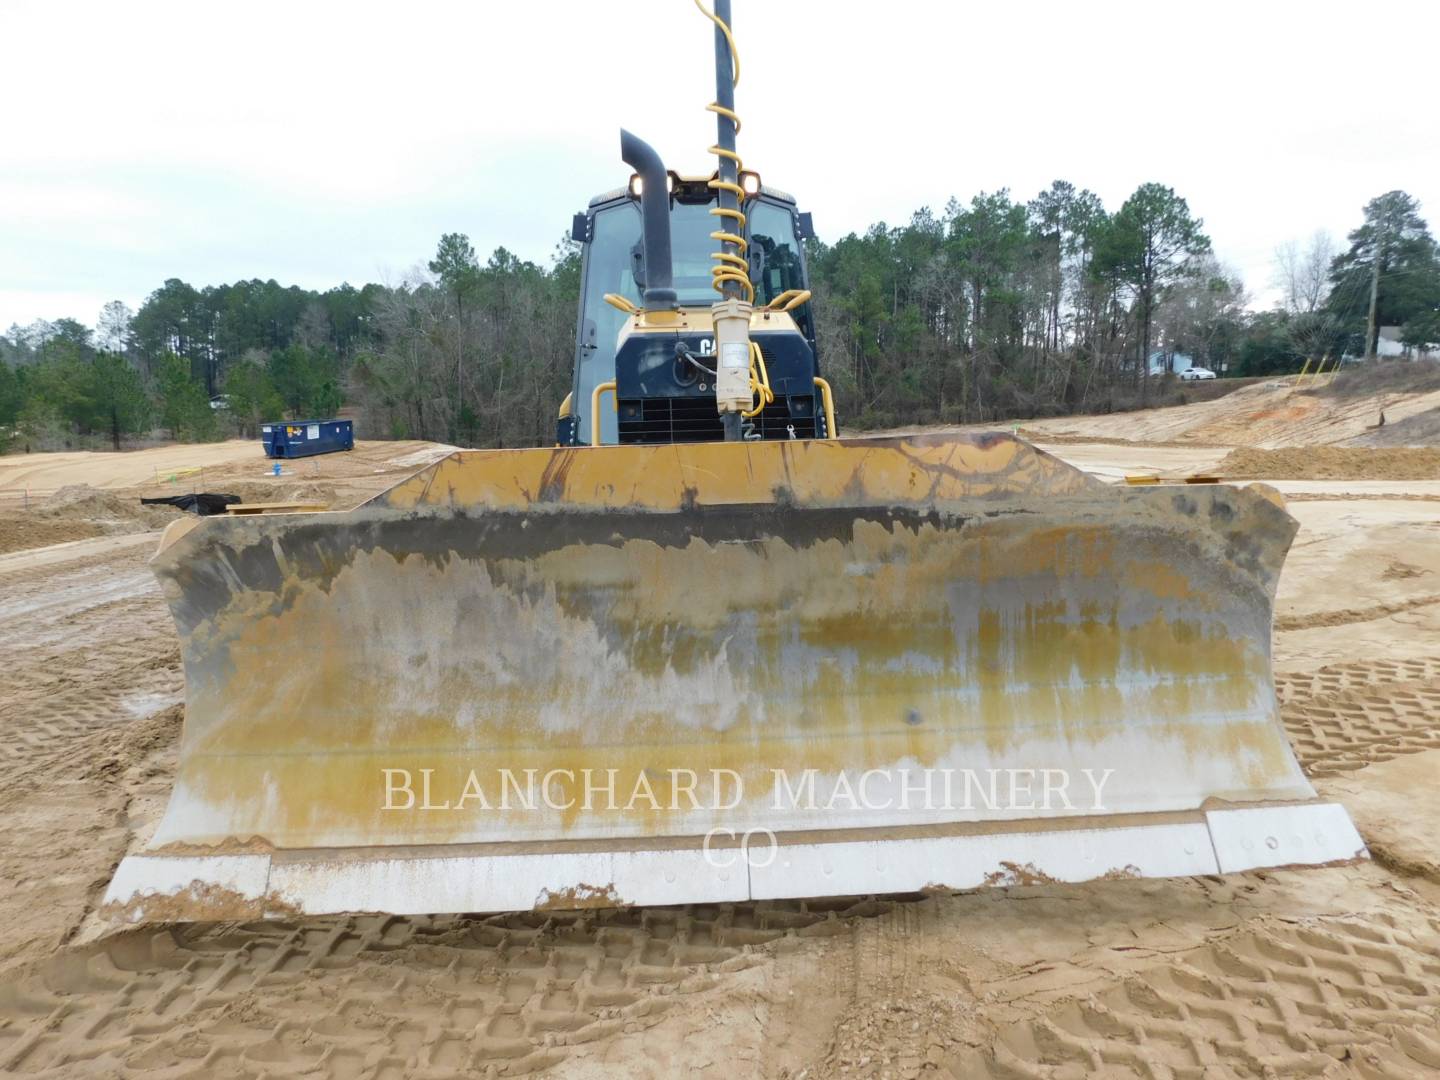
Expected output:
(77, 512)
(209, 467)
(79, 502)
(1332, 463)
(56, 498)
(20, 533)
(1422, 429)
(1279, 412)
(1389, 376)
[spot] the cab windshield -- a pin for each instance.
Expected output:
(610, 268)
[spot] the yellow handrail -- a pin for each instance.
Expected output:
(788, 300)
(624, 303)
(829, 399)
(595, 409)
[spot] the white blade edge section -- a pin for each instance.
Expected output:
(256, 885)
(1268, 836)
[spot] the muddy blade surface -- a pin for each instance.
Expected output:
(541, 678)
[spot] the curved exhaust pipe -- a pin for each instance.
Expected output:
(655, 220)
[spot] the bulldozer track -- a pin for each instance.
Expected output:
(1346, 716)
(382, 996)
(1336, 998)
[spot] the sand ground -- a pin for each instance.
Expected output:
(1332, 972)
(52, 498)
(204, 467)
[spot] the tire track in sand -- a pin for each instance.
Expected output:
(87, 645)
(1346, 716)
(1341, 997)
(1346, 616)
(382, 996)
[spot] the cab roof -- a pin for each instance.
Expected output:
(624, 192)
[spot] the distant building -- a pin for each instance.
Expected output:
(1161, 362)
(1388, 343)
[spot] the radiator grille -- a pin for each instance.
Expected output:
(694, 419)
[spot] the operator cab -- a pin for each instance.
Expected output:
(660, 397)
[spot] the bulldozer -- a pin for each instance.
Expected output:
(704, 649)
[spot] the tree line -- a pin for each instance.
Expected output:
(992, 309)
(998, 309)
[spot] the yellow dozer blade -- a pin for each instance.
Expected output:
(700, 673)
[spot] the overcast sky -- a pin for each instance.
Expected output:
(320, 143)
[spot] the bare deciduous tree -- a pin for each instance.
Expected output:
(112, 329)
(1302, 273)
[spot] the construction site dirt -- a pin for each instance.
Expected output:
(1323, 972)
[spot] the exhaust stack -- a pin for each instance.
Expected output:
(655, 217)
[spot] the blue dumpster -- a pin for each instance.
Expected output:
(301, 438)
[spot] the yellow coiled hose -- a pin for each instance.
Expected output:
(733, 266)
(730, 266)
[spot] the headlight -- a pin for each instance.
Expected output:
(637, 184)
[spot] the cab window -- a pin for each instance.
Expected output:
(775, 261)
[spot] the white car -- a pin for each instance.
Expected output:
(1197, 373)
